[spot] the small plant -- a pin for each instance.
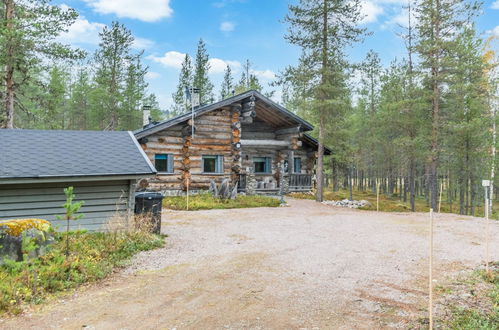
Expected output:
(71, 209)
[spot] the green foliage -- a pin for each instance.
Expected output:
(206, 201)
(227, 84)
(95, 256)
(475, 317)
(180, 103)
(71, 207)
(248, 81)
(200, 79)
(27, 40)
(106, 91)
(71, 210)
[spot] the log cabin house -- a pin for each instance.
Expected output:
(247, 138)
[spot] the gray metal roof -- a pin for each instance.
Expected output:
(148, 130)
(57, 153)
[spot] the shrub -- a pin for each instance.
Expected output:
(94, 256)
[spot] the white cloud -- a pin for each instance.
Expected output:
(171, 59)
(494, 31)
(402, 18)
(152, 75)
(142, 43)
(370, 11)
(144, 10)
(218, 65)
(263, 74)
(495, 5)
(229, 26)
(82, 32)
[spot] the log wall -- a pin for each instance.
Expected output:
(218, 133)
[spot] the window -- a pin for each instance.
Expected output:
(213, 164)
(297, 165)
(163, 163)
(262, 164)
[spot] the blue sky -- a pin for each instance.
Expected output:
(234, 30)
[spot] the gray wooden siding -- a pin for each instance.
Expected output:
(102, 200)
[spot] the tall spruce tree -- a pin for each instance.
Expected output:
(201, 70)
(28, 32)
(111, 61)
(313, 26)
(185, 80)
(227, 87)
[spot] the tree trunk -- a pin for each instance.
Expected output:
(9, 68)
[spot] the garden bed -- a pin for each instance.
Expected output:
(207, 202)
(92, 257)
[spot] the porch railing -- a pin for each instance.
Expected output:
(300, 182)
(297, 182)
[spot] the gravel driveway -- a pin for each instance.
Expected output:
(304, 266)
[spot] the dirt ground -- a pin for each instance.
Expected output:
(306, 266)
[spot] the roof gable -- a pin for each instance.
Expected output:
(57, 153)
(268, 109)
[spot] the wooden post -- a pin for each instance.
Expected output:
(487, 255)
(187, 196)
(486, 184)
(430, 281)
(377, 195)
(440, 197)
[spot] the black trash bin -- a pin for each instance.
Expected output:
(149, 204)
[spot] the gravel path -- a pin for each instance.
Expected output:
(308, 266)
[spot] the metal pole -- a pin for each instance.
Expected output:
(192, 114)
(430, 282)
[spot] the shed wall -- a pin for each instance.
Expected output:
(44, 200)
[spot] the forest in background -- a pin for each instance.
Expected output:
(423, 127)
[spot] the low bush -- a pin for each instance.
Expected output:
(93, 256)
(481, 308)
(206, 201)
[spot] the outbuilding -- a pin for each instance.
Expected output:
(102, 166)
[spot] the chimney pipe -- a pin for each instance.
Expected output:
(146, 109)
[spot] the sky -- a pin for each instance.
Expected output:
(234, 31)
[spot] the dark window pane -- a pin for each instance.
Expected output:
(261, 164)
(209, 164)
(161, 162)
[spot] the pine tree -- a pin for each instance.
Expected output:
(185, 80)
(54, 104)
(201, 70)
(134, 95)
(79, 100)
(248, 81)
(111, 60)
(27, 37)
(439, 21)
(322, 38)
(227, 87)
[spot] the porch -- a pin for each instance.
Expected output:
(266, 185)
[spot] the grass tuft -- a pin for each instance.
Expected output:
(390, 203)
(206, 201)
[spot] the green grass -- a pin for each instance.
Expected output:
(388, 203)
(207, 202)
(93, 256)
(473, 317)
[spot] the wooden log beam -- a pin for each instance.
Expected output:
(278, 143)
(290, 130)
